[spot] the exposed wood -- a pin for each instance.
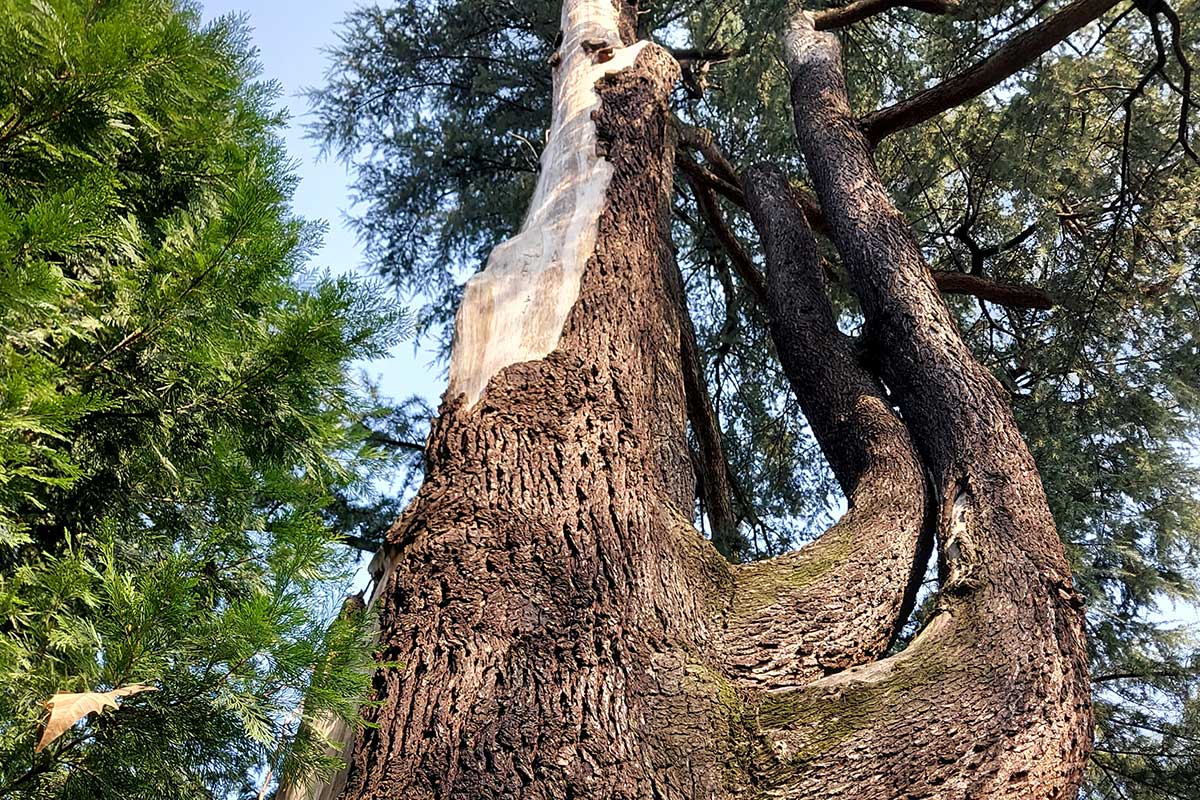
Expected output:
(514, 310)
(1009, 59)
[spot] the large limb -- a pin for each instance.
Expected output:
(724, 179)
(991, 700)
(841, 600)
(548, 615)
(1012, 57)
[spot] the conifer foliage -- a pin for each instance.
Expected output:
(178, 413)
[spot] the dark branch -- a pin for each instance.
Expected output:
(383, 440)
(711, 56)
(1014, 56)
(710, 464)
(701, 140)
(1144, 676)
(360, 543)
(706, 178)
(859, 10)
(1185, 66)
(706, 201)
(1013, 295)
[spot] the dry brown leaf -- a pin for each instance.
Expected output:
(67, 708)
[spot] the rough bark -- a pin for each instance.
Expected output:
(551, 624)
(550, 606)
(858, 580)
(991, 700)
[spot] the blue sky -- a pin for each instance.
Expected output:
(290, 37)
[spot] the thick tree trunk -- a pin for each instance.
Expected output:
(551, 623)
(551, 610)
(991, 700)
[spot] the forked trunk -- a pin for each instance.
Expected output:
(991, 700)
(552, 625)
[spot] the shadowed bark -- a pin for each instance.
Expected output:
(991, 700)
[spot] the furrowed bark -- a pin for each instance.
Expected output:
(841, 600)
(547, 627)
(1012, 57)
(991, 700)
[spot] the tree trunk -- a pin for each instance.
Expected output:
(552, 625)
(991, 700)
(551, 609)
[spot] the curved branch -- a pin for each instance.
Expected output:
(993, 694)
(859, 10)
(1185, 66)
(841, 600)
(1012, 57)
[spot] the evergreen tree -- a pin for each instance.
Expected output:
(1056, 202)
(181, 430)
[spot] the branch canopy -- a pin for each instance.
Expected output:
(1012, 57)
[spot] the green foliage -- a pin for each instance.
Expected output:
(437, 104)
(179, 416)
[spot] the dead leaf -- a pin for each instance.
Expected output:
(67, 708)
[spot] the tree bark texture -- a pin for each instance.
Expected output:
(850, 605)
(991, 699)
(553, 626)
(551, 611)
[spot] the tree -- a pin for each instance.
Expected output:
(179, 416)
(561, 628)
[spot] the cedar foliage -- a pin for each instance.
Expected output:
(181, 430)
(1080, 183)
